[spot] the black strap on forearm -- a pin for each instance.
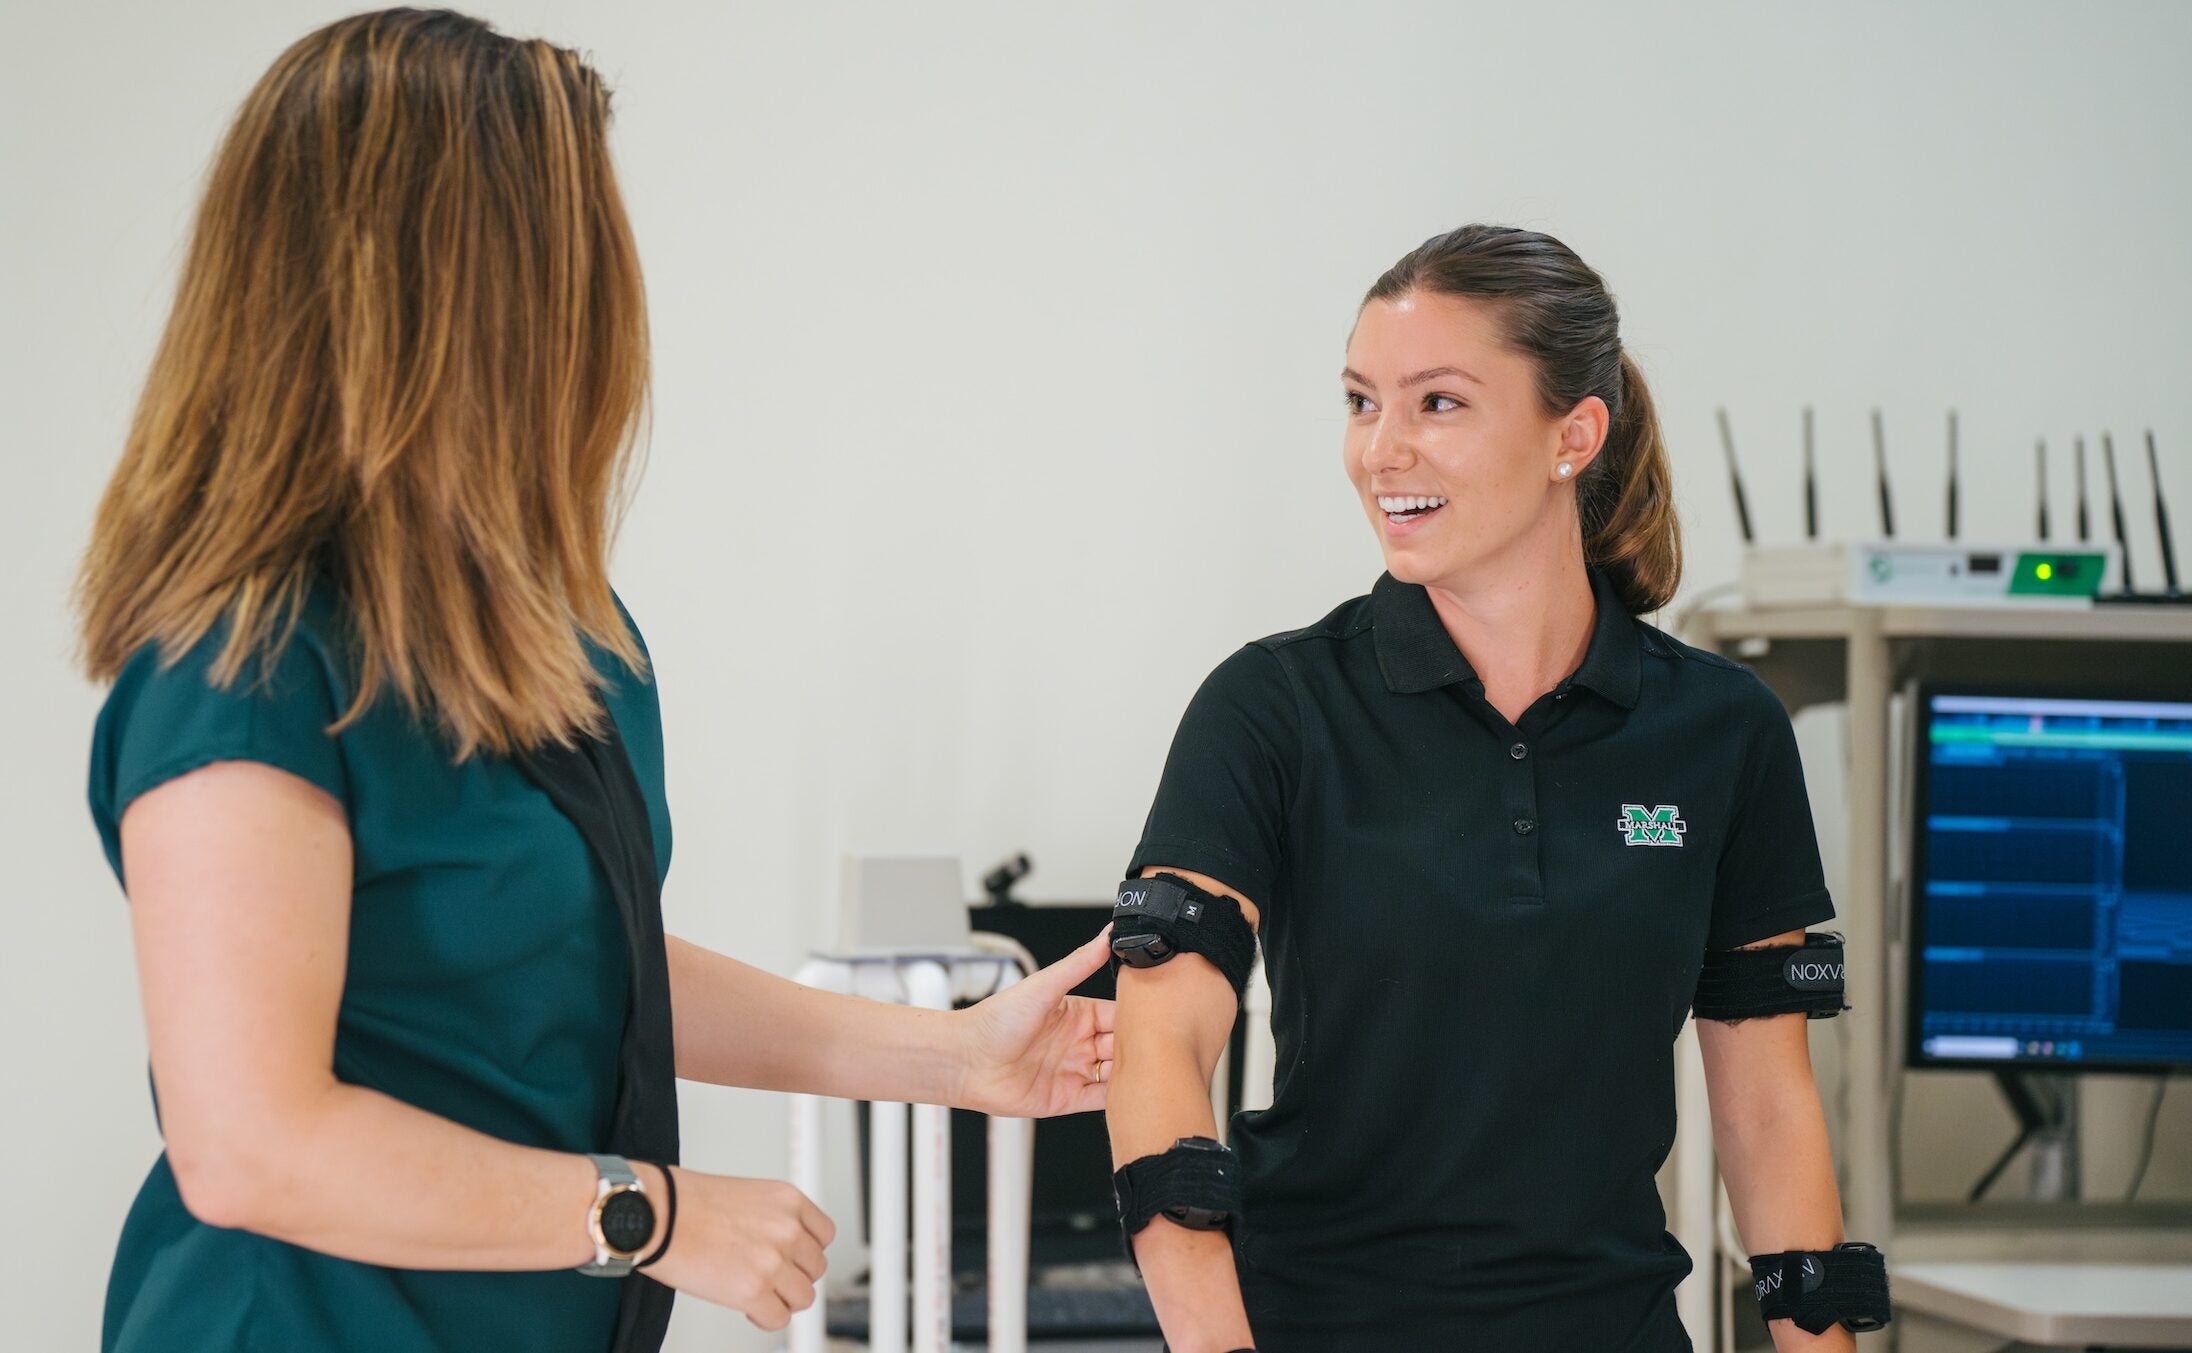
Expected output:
(1779, 979)
(1196, 1184)
(1847, 1285)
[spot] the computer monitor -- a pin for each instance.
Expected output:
(2051, 880)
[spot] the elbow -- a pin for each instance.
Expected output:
(1162, 1068)
(218, 1185)
(243, 1171)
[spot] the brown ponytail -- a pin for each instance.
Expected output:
(1557, 312)
(1626, 500)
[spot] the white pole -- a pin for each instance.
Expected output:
(1011, 1188)
(887, 1228)
(806, 1333)
(1867, 1202)
(1695, 1182)
(928, 986)
(1259, 1054)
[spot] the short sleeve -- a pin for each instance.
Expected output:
(1769, 879)
(162, 721)
(1221, 807)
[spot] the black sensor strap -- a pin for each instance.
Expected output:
(1780, 979)
(1196, 1184)
(1847, 1285)
(1156, 919)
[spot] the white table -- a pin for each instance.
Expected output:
(2033, 1276)
(2056, 1305)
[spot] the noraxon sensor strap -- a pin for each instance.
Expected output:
(1196, 1184)
(1847, 1285)
(1781, 979)
(1157, 919)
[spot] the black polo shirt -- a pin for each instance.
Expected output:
(1482, 940)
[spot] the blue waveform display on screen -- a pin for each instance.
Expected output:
(2052, 871)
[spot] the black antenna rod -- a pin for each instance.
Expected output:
(1735, 479)
(2085, 523)
(2115, 509)
(1880, 473)
(1952, 474)
(1811, 483)
(2161, 519)
(2040, 456)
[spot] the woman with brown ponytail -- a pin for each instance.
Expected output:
(1489, 826)
(382, 767)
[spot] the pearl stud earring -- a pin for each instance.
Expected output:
(1566, 469)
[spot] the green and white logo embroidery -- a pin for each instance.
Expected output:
(1660, 826)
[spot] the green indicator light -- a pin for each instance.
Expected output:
(2057, 573)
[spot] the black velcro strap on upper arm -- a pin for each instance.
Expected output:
(1196, 1184)
(1156, 919)
(1781, 979)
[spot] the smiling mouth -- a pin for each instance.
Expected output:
(1401, 510)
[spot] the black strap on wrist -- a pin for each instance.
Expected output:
(1818, 1289)
(669, 1217)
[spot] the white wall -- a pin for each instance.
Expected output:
(996, 392)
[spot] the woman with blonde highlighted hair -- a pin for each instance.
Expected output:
(381, 769)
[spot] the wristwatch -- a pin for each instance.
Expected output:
(621, 1220)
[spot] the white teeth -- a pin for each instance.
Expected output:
(1409, 504)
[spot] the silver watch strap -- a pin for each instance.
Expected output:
(614, 1170)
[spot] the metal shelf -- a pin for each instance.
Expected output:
(2069, 624)
(1861, 654)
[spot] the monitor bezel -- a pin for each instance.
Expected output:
(1915, 1058)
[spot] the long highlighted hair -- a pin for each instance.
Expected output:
(408, 358)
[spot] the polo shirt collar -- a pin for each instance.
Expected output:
(1416, 654)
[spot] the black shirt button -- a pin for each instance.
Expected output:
(1524, 826)
(1518, 751)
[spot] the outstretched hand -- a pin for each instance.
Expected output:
(1035, 1051)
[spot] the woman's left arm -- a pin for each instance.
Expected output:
(1031, 1051)
(1771, 1137)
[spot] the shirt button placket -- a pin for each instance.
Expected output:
(1525, 879)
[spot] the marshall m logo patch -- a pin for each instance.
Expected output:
(1660, 826)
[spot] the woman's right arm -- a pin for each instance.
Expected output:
(1173, 1022)
(239, 882)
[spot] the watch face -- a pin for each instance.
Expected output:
(627, 1221)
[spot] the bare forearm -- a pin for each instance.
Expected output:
(1190, 1274)
(353, 1173)
(1774, 1154)
(738, 1025)
(1780, 1174)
